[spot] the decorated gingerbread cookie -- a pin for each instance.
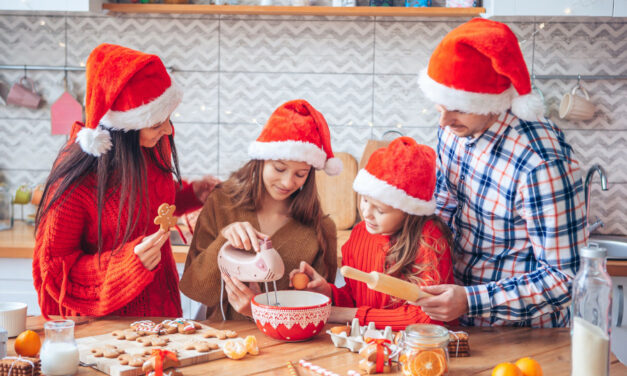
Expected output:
(146, 327)
(166, 218)
(167, 358)
(180, 325)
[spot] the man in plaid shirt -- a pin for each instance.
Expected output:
(508, 186)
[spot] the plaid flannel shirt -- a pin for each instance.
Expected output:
(513, 198)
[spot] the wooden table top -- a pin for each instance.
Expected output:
(488, 347)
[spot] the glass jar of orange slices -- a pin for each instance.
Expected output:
(424, 350)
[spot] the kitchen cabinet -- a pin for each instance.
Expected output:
(55, 6)
(596, 8)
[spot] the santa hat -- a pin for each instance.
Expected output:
(401, 175)
(126, 90)
(297, 132)
(478, 68)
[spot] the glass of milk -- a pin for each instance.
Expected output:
(591, 309)
(59, 353)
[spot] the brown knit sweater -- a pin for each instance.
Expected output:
(294, 241)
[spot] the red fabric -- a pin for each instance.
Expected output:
(480, 56)
(121, 79)
(69, 277)
(160, 356)
(366, 252)
(416, 161)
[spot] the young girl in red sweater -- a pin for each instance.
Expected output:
(97, 250)
(399, 236)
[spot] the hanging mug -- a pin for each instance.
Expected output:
(20, 95)
(576, 107)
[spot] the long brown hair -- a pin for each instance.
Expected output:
(122, 169)
(401, 257)
(245, 189)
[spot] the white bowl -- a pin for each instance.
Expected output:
(13, 317)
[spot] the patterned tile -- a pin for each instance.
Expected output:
(610, 206)
(582, 48)
(32, 40)
(251, 98)
(197, 148)
(607, 148)
(422, 135)
(27, 144)
(287, 46)
(48, 84)
(185, 44)
(233, 146)
(399, 101)
(14, 178)
(349, 139)
(200, 99)
(405, 47)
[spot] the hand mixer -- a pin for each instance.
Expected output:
(263, 266)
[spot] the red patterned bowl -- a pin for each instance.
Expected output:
(300, 315)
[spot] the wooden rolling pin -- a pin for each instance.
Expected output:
(386, 284)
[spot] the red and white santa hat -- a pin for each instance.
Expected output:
(401, 175)
(126, 90)
(296, 131)
(478, 68)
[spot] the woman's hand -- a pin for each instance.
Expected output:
(204, 186)
(316, 282)
(149, 250)
(243, 235)
(240, 295)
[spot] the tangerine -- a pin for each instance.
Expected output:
(529, 366)
(251, 345)
(27, 343)
(506, 369)
(235, 348)
(427, 363)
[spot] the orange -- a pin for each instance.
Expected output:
(529, 367)
(506, 369)
(427, 363)
(27, 343)
(234, 348)
(251, 345)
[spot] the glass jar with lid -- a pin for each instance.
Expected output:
(424, 350)
(59, 353)
(6, 212)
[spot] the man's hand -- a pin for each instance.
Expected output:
(448, 303)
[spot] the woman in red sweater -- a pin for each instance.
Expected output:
(399, 236)
(98, 251)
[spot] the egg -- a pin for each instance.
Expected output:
(300, 281)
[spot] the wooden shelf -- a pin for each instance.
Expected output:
(294, 11)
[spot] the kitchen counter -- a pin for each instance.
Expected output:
(488, 347)
(20, 241)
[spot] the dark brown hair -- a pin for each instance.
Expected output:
(121, 169)
(245, 189)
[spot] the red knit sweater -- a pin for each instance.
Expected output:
(70, 278)
(366, 252)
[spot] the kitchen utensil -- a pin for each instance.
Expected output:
(336, 193)
(301, 315)
(13, 317)
(576, 107)
(6, 205)
(64, 112)
(23, 94)
(263, 266)
(386, 284)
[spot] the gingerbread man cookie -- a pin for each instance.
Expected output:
(182, 326)
(220, 334)
(134, 360)
(108, 351)
(201, 346)
(153, 341)
(166, 218)
(146, 327)
(126, 334)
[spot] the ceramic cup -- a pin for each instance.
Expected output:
(576, 107)
(13, 317)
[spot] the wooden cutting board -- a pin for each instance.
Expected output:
(177, 342)
(336, 192)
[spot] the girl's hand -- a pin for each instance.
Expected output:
(204, 186)
(240, 295)
(149, 250)
(316, 282)
(447, 303)
(243, 235)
